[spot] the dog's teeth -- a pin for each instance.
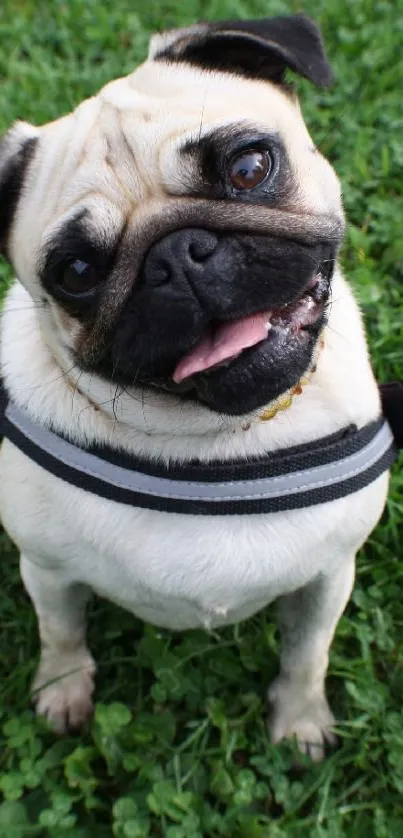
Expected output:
(268, 326)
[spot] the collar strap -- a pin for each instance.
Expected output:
(301, 476)
(392, 406)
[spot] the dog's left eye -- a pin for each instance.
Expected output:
(78, 277)
(249, 169)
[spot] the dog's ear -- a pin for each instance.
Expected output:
(17, 149)
(261, 49)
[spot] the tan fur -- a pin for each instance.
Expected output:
(117, 156)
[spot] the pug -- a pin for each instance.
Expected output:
(179, 301)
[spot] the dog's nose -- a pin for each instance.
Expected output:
(182, 254)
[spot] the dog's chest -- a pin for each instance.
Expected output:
(184, 572)
(174, 570)
(179, 571)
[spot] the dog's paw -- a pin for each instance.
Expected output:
(62, 690)
(306, 717)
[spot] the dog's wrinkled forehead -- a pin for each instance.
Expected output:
(126, 147)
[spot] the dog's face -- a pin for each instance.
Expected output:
(180, 229)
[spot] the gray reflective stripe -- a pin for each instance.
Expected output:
(135, 481)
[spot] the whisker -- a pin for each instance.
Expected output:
(33, 387)
(339, 335)
(27, 307)
(75, 388)
(143, 410)
(202, 115)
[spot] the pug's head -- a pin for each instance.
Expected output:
(180, 228)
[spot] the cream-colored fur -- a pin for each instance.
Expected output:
(178, 571)
(173, 570)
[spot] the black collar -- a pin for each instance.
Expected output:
(292, 478)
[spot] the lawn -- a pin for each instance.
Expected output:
(178, 746)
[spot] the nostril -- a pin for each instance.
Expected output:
(202, 247)
(178, 257)
(160, 274)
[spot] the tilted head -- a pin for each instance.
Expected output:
(180, 227)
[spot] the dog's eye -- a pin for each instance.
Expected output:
(249, 169)
(79, 277)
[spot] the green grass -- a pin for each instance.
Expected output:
(178, 746)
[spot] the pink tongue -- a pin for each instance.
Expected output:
(227, 342)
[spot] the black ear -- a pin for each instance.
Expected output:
(261, 49)
(17, 148)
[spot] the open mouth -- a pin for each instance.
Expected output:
(223, 342)
(234, 336)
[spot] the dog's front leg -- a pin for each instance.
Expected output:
(64, 681)
(307, 621)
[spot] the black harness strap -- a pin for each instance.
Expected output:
(293, 478)
(392, 405)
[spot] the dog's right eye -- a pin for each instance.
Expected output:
(249, 169)
(78, 277)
